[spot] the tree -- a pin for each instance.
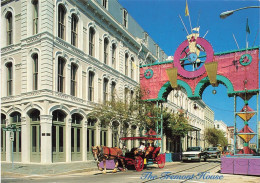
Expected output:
(141, 113)
(215, 137)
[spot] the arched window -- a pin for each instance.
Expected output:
(126, 64)
(61, 22)
(35, 135)
(105, 90)
(91, 86)
(9, 28)
(106, 51)
(58, 116)
(91, 41)
(61, 74)
(113, 91)
(114, 56)
(73, 77)
(76, 134)
(132, 67)
(17, 143)
(35, 71)
(91, 134)
(35, 16)
(74, 30)
(9, 67)
(58, 136)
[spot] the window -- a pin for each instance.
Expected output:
(105, 3)
(91, 86)
(114, 56)
(132, 69)
(58, 116)
(125, 18)
(113, 91)
(15, 117)
(35, 72)
(126, 95)
(35, 16)
(132, 95)
(74, 29)
(61, 78)
(9, 28)
(91, 41)
(105, 93)
(126, 64)
(73, 74)
(9, 67)
(61, 22)
(105, 51)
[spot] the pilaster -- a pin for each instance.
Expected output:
(46, 145)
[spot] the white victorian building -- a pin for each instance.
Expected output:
(58, 59)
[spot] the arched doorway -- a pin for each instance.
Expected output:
(115, 134)
(103, 134)
(15, 118)
(91, 137)
(58, 136)
(3, 137)
(76, 136)
(35, 141)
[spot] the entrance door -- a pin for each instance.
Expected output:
(17, 143)
(58, 136)
(35, 141)
(58, 143)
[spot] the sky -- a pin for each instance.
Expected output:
(160, 19)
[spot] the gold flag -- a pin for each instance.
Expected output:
(187, 9)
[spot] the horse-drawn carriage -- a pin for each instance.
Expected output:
(150, 155)
(111, 157)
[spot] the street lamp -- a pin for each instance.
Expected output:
(230, 12)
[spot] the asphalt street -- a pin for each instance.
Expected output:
(200, 172)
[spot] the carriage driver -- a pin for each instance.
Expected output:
(141, 148)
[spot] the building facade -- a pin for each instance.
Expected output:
(59, 59)
(199, 115)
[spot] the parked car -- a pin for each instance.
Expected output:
(213, 152)
(194, 154)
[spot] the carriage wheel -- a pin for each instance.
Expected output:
(161, 160)
(139, 163)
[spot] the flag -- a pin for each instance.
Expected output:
(187, 9)
(196, 29)
(247, 27)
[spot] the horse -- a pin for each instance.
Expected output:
(103, 153)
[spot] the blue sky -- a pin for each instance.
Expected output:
(160, 19)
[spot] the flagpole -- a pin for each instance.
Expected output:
(184, 25)
(235, 41)
(190, 24)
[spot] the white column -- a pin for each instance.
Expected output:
(8, 143)
(68, 140)
(84, 140)
(46, 140)
(128, 130)
(109, 136)
(98, 127)
(25, 130)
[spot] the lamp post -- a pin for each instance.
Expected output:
(230, 12)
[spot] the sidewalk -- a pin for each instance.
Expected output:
(21, 169)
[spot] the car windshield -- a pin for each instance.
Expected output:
(193, 149)
(212, 149)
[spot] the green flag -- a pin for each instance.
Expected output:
(247, 27)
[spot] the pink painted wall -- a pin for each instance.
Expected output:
(236, 73)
